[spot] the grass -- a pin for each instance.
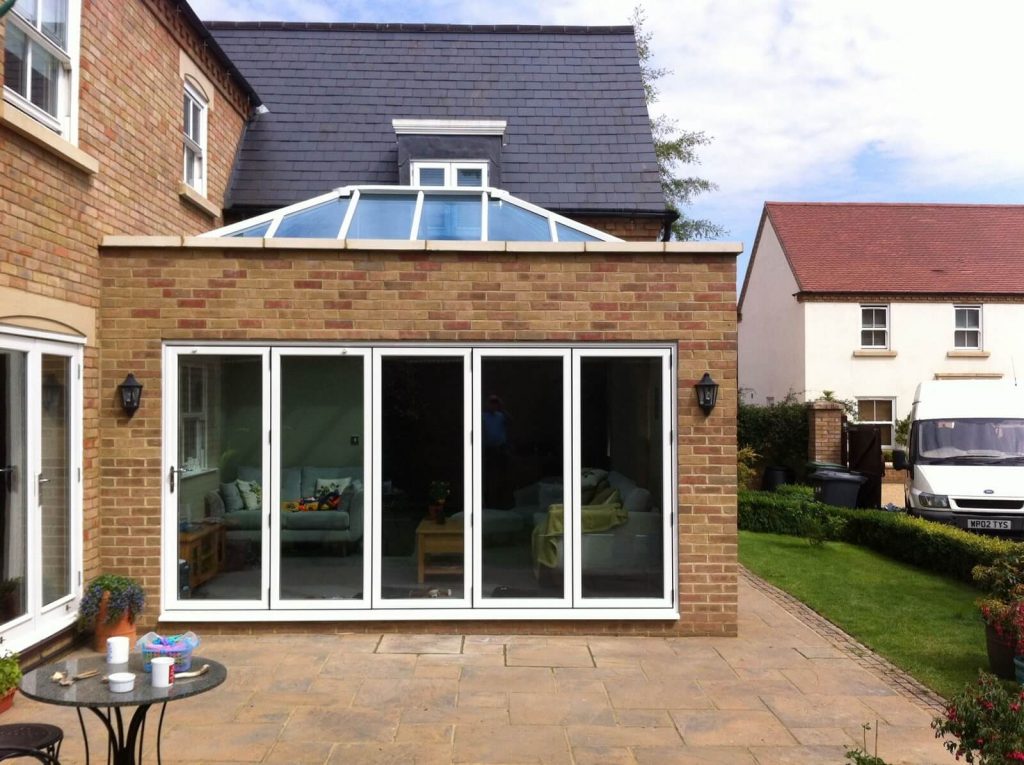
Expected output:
(924, 623)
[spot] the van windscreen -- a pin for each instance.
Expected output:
(971, 441)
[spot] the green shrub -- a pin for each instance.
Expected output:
(778, 433)
(933, 546)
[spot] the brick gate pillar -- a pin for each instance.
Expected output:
(825, 423)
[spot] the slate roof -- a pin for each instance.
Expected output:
(578, 136)
(902, 248)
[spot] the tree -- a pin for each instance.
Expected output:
(673, 147)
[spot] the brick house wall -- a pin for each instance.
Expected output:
(241, 290)
(629, 229)
(55, 213)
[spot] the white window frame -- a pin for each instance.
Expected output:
(198, 165)
(451, 173)
(887, 328)
(43, 620)
(475, 606)
(891, 424)
(65, 122)
(200, 416)
(957, 328)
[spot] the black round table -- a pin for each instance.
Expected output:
(125, 742)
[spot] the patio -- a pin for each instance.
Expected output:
(790, 689)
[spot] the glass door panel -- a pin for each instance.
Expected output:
(424, 479)
(13, 488)
(622, 450)
(522, 419)
(219, 467)
(55, 477)
(321, 482)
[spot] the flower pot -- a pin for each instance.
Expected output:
(7, 700)
(124, 626)
(1000, 654)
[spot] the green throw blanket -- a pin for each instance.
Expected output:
(595, 518)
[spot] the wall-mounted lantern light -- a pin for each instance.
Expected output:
(131, 394)
(707, 393)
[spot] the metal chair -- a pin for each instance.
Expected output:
(40, 737)
(19, 752)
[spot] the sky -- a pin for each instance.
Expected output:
(805, 100)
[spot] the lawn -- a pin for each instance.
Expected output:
(924, 623)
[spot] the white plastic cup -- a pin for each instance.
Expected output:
(117, 650)
(121, 682)
(163, 671)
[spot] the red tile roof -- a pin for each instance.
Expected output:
(902, 248)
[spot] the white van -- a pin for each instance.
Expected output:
(965, 464)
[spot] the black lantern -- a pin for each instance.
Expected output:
(131, 394)
(707, 393)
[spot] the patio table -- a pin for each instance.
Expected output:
(124, 742)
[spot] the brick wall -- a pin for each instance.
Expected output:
(825, 437)
(630, 229)
(243, 292)
(54, 214)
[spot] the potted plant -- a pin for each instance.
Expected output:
(10, 676)
(986, 722)
(1002, 611)
(111, 603)
(438, 493)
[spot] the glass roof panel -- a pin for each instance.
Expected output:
(258, 231)
(322, 221)
(507, 222)
(446, 216)
(382, 216)
(569, 234)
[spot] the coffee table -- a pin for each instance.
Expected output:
(124, 742)
(434, 538)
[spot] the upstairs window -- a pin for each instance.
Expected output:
(967, 327)
(39, 61)
(874, 326)
(453, 175)
(194, 128)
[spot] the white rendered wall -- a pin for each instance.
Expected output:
(771, 330)
(921, 334)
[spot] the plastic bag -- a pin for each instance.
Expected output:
(179, 647)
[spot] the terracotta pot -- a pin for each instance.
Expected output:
(125, 626)
(1000, 654)
(7, 700)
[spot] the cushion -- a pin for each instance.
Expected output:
(310, 475)
(214, 504)
(232, 497)
(330, 485)
(637, 500)
(550, 494)
(591, 477)
(250, 473)
(252, 494)
(621, 482)
(605, 495)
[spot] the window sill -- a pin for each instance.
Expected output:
(196, 473)
(21, 123)
(967, 354)
(874, 353)
(196, 199)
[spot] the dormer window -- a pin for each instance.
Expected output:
(457, 174)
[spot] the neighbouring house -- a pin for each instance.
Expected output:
(868, 300)
(413, 372)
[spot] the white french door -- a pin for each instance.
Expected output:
(40, 487)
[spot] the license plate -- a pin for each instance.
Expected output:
(985, 523)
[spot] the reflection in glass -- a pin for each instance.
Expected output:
(322, 221)
(383, 216)
(422, 470)
(621, 515)
(13, 484)
(509, 223)
(55, 478)
(257, 231)
(450, 217)
(523, 484)
(55, 21)
(567, 234)
(45, 79)
(321, 478)
(15, 57)
(220, 483)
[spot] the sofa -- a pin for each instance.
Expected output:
(241, 512)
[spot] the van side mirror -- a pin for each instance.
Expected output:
(899, 460)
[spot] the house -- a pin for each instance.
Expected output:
(868, 300)
(353, 303)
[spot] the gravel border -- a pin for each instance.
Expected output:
(895, 677)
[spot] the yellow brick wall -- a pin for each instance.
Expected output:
(335, 295)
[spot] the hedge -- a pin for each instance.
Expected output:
(934, 546)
